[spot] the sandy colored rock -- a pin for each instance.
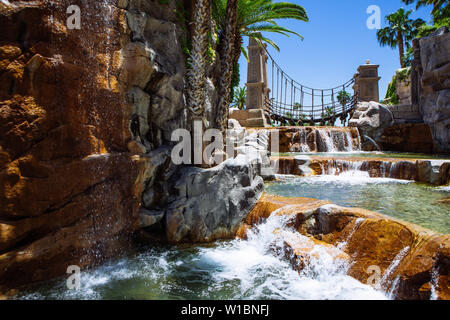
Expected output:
(68, 179)
(300, 250)
(436, 172)
(411, 137)
(414, 259)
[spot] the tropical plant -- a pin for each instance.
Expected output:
(239, 98)
(254, 17)
(440, 13)
(399, 32)
(441, 8)
(343, 97)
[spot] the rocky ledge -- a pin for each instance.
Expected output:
(436, 172)
(414, 262)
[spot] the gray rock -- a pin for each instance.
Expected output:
(149, 218)
(432, 171)
(371, 118)
(212, 203)
(435, 82)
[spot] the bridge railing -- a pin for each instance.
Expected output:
(287, 99)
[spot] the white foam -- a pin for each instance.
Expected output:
(252, 269)
(351, 178)
(446, 188)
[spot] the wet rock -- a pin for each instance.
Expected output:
(77, 120)
(371, 118)
(270, 204)
(434, 74)
(301, 251)
(406, 254)
(414, 262)
(436, 172)
(411, 137)
(317, 139)
(211, 203)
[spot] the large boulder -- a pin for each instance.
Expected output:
(212, 203)
(371, 118)
(435, 82)
(413, 262)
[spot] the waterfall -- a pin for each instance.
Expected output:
(343, 245)
(434, 283)
(327, 141)
(395, 263)
(333, 139)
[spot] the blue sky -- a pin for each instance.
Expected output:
(336, 41)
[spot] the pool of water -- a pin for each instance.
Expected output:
(238, 269)
(361, 154)
(408, 201)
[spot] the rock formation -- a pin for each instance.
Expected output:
(318, 139)
(434, 75)
(436, 172)
(70, 187)
(202, 205)
(86, 117)
(371, 118)
(413, 261)
(408, 137)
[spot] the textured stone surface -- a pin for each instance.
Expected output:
(371, 118)
(212, 203)
(70, 187)
(416, 257)
(411, 137)
(435, 172)
(435, 82)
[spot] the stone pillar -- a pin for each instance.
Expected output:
(366, 83)
(257, 88)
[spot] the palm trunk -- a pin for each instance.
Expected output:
(238, 42)
(198, 57)
(401, 48)
(227, 63)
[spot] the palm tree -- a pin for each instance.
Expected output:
(201, 21)
(240, 98)
(226, 52)
(400, 31)
(439, 6)
(236, 19)
(344, 97)
(254, 17)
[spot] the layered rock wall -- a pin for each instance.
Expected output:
(434, 76)
(86, 118)
(69, 185)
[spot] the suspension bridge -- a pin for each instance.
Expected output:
(297, 104)
(285, 101)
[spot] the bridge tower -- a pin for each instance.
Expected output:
(366, 83)
(257, 89)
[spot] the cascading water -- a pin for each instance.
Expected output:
(309, 139)
(240, 269)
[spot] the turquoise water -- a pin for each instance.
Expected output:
(413, 202)
(254, 269)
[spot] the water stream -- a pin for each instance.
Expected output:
(239, 269)
(405, 200)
